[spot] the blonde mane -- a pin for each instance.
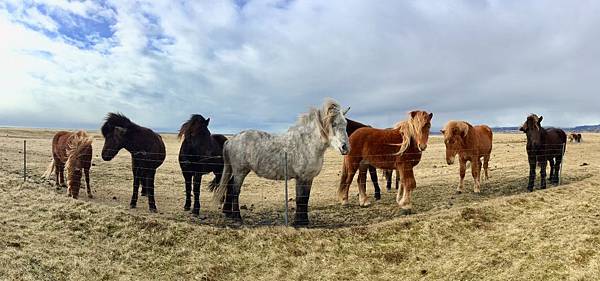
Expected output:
(408, 130)
(76, 144)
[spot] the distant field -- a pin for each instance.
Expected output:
(501, 234)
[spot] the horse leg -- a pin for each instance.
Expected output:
(543, 174)
(532, 165)
(56, 172)
(388, 179)
(197, 181)
(302, 197)
(476, 172)
(557, 169)
(397, 179)
(348, 171)
(408, 184)
(149, 186)
(136, 187)
(373, 174)
(61, 169)
(363, 199)
(486, 160)
(188, 177)
(227, 207)
(238, 180)
(552, 169)
(462, 173)
(87, 183)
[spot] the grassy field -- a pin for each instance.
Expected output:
(501, 234)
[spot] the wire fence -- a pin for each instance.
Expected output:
(35, 161)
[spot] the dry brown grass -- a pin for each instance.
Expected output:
(502, 234)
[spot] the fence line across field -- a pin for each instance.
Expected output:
(284, 163)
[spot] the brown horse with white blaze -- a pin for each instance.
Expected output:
(399, 148)
(71, 151)
(471, 143)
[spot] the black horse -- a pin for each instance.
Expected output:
(200, 153)
(350, 128)
(147, 152)
(543, 145)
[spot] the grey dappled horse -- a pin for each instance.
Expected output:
(305, 144)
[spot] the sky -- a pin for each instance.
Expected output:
(260, 63)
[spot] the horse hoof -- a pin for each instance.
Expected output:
(345, 203)
(300, 223)
(365, 204)
(132, 206)
(389, 190)
(153, 210)
(196, 212)
(90, 196)
(377, 196)
(186, 208)
(405, 212)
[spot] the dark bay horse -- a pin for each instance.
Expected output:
(399, 148)
(543, 146)
(147, 152)
(350, 128)
(200, 153)
(73, 151)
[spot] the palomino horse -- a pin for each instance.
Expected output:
(543, 145)
(304, 143)
(350, 128)
(73, 151)
(147, 153)
(471, 143)
(200, 153)
(399, 148)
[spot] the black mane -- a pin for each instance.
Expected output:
(116, 120)
(193, 125)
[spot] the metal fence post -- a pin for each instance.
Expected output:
(285, 171)
(24, 160)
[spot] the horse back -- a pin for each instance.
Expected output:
(484, 137)
(352, 126)
(378, 147)
(59, 145)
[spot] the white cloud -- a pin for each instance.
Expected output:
(261, 64)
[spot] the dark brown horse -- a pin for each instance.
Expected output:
(200, 153)
(543, 146)
(147, 152)
(73, 151)
(399, 148)
(574, 137)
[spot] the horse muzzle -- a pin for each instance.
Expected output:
(344, 149)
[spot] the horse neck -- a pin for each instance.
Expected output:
(308, 135)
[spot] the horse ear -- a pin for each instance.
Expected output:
(443, 132)
(346, 111)
(540, 119)
(430, 116)
(413, 114)
(207, 121)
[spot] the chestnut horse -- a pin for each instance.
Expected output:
(351, 127)
(471, 143)
(72, 150)
(399, 148)
(147, 153)
(543, 146)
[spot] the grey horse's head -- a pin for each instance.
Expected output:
(333, 126)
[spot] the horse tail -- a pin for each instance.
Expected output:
(49, 170)
(220, 191)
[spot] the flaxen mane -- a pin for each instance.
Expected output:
(408, 130)
(76, 145)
